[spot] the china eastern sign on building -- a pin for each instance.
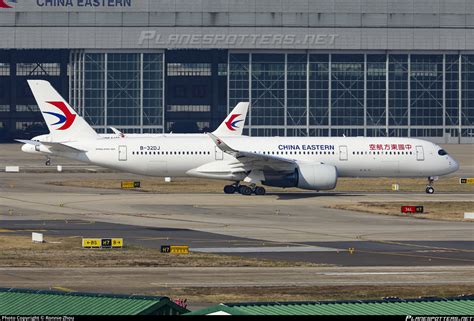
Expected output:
(84, 3)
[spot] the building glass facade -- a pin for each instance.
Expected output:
(119, 89)
(356, 94)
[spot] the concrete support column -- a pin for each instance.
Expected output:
(215, 112)
(11, 125)
(63, 64)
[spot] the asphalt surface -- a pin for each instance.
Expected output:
(347, 253)
(387, 249)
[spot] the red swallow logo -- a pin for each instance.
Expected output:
(4, 5)
(66, 118)
(231, 123)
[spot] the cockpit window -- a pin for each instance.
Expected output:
(442, 152)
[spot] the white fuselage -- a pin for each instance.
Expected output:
(176, 155)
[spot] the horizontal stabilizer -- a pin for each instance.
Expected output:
(27, 141)
(59, 147)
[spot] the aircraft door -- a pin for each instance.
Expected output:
(122, 153)
(219, 153)
(343, 153)
(420, 155)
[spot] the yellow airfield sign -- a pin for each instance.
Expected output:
(467, 180)
(176, 249)
(96, 243)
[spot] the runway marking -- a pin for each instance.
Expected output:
(417, 256)
(63, 289)
(361, 237)
(263, 249)
(4, 230)
(204, 240)
(384, 273)
(270, 283)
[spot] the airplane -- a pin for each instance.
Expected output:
(311, 163)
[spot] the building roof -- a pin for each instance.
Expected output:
(38, 302)
(425, 306)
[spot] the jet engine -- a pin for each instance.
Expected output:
(306, 176)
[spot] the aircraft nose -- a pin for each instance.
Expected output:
(453, 164)
(24, 148)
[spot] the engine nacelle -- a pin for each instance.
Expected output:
(316, 177)
(305, 176)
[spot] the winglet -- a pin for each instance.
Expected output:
(222, 145)
(234, 123)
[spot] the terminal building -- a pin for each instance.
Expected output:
(308, 67)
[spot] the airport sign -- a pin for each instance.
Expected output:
(98, 243)
(412, 209)
(129, 184)
(466, 180)
(176, 249)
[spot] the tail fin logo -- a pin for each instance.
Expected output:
(4, 4)
(66, 119)
(232, 123)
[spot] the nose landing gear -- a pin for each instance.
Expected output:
(244, 189)
(48, 161)
(429, 187)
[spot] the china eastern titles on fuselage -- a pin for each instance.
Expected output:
(84, 3)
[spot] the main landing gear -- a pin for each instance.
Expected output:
(244, 189)
(429, 187)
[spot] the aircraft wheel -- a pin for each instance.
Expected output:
(229, 189)
(259, 190)
(429, 190)
(245, 190)
(48, 162)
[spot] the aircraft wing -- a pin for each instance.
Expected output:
(255, 161)
(58, 147)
